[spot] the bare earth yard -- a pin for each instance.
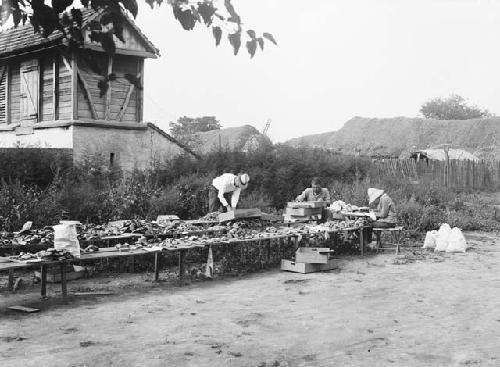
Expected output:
(440, 310)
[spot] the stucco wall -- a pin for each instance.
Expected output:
(131, 148)
(54, 137)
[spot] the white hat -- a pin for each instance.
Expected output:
(244, 178)
(374, 194)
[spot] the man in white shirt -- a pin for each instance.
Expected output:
(224, 189)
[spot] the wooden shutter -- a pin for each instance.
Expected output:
(29, 90)
(3, 94)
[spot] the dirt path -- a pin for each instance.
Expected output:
(440, 311)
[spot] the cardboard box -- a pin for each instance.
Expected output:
(56, 277)
(240, 214)
(304, 268)
(313, 255)
(303, 211)
(290, 218)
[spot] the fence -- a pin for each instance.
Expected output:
(466, 175)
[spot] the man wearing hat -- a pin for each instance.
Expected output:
(224, 189)
(386, 210)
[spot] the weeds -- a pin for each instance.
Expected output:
(94, 193)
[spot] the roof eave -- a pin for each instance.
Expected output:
(30, 50)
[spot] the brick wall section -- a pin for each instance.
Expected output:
(132, 148)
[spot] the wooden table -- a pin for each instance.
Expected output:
(44, 264)
(108, 253)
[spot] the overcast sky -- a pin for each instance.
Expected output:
(336, 59)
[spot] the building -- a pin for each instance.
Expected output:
(440, 155)
(49, 97)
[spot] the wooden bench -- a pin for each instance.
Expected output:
(396, 234)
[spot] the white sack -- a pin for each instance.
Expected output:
(442, 237)
(430, 239)
(66, 238)
(337, 206)
(456, 241)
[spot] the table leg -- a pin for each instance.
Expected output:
(43, 272)
(131, 261)
(157, 269)
(268, 251)
(11, 280)
(64, 287)
(362, 241)
(182, 265)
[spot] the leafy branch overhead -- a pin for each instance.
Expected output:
(62, 16)
(220, 15)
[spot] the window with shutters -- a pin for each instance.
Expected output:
(30, 88)
(3, 94)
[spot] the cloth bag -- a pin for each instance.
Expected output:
(66, 239)
(430, 239)
(456, 241)
(442, 237)
(209, 269)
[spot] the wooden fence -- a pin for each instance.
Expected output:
(468, 175)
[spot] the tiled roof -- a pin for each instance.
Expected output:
(24, 38)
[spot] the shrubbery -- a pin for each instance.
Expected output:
(90, 193)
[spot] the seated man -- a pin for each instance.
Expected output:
(224, 188)
(386, 210)
(315, 192)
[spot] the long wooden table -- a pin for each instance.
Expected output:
(106, 254)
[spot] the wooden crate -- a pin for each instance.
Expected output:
(304, 268)
(299, 212)
(56, 277)
(240, 214)
(294, 218)
(307, 204)
(313, 255)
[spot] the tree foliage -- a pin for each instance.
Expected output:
(63, 16)
(185, 128)
(453, 107)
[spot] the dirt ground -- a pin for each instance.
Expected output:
(421, 309)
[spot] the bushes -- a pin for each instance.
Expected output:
(92, 193)
(33, 166)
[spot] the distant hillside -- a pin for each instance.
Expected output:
(242, 138)
(397, 136)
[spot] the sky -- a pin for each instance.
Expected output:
(335, 59)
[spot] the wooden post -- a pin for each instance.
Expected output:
(140, 92)
(108, 93)
(43, 271)
(7, 94)
(131, 261)
(64, 287)
(55, 84)
(268, 250)
(182, 265)
(74, 87)
(87, 92)
(123, 108)
(362, 240)
(157, 269)
(11, 280)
